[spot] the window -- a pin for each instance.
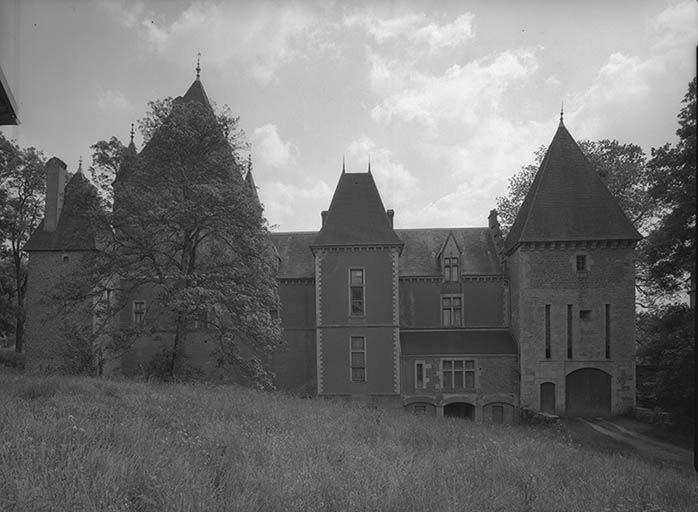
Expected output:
(581, 263)
(458, 373)
(419, 375)
(585, 315)
(420, 410)
(451, 269)
(201, 321)
(608, 331)
(498, 414)
(451, 310)
(66, 258)
(569, 331)
(358, 359)
(138, 312)
(547, 331)
(356, 292)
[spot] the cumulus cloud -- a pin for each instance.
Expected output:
(461, 93)
(296, 207)
(110, 100)
(270, 150)
(416, 28)
(262, 37)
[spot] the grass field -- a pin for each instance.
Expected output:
(82, 444)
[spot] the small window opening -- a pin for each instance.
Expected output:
(585, 315)
(66, 258)
(581, 263)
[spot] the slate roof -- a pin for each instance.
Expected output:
(446, 341)
(568, 201)
(356, 215)
(197, 93)
(294, 250)
(74, 231)
(418, 256)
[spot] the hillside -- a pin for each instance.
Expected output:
(84, 444)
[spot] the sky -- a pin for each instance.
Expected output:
(448, 99)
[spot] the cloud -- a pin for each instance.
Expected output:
(110, 100)
(260, 37)
(297, 207)
(462, 93)
(416, 28)
(270, 149)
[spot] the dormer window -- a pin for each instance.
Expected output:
(451, 268)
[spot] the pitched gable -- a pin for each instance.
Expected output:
(356, 215)
(568, 201)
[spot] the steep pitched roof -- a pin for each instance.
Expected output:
(356, 215)
(197, 93)
(568, 201)
(249, 181)
(420, 254)
(418, 258)
(294, 251)
(75, 231)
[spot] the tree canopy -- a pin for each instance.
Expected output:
(22, 186)
(187, 232)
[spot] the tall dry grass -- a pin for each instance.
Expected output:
(81, 444)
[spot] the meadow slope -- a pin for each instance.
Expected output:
(85, 444)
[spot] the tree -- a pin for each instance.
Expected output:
(666, 340)
(621, 166)
(23, 183)
(187, 231)
(670, 250)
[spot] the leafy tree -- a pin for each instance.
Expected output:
(666, 340)
(23, 183)
(106, 159)
(670, 250)
(187, 232)
(621, 166)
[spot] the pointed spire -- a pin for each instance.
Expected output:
(562, 113)
(344, 169)
(198, 65)
(369, 163)
(132, 132)
(249, 163)
(79, 171)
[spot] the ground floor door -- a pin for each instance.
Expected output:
(588, 393)
(547, 397)
(460, 410)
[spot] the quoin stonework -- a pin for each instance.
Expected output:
(440, 321)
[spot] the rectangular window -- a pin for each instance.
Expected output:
(451, 310)
(201, 321)
(547, 331)
(451, 269)
(581, 263)
(458, 373)
(358, 358)
(356, 292)
(498, 414)
(569, 331)
(138, 312)
(419, 375)
(420, 410)
(608, 331)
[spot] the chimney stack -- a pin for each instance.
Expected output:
(324, 217)
(391, 214)
(55, 186)
(493, 221)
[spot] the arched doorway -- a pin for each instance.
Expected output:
(459, 410)
(588, 393)
(547, 397)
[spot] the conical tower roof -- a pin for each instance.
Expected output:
(75, 230)
(356, 215)
(568, 201)
(249, 181)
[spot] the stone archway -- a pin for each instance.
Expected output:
(460, 410)
(588, 393)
